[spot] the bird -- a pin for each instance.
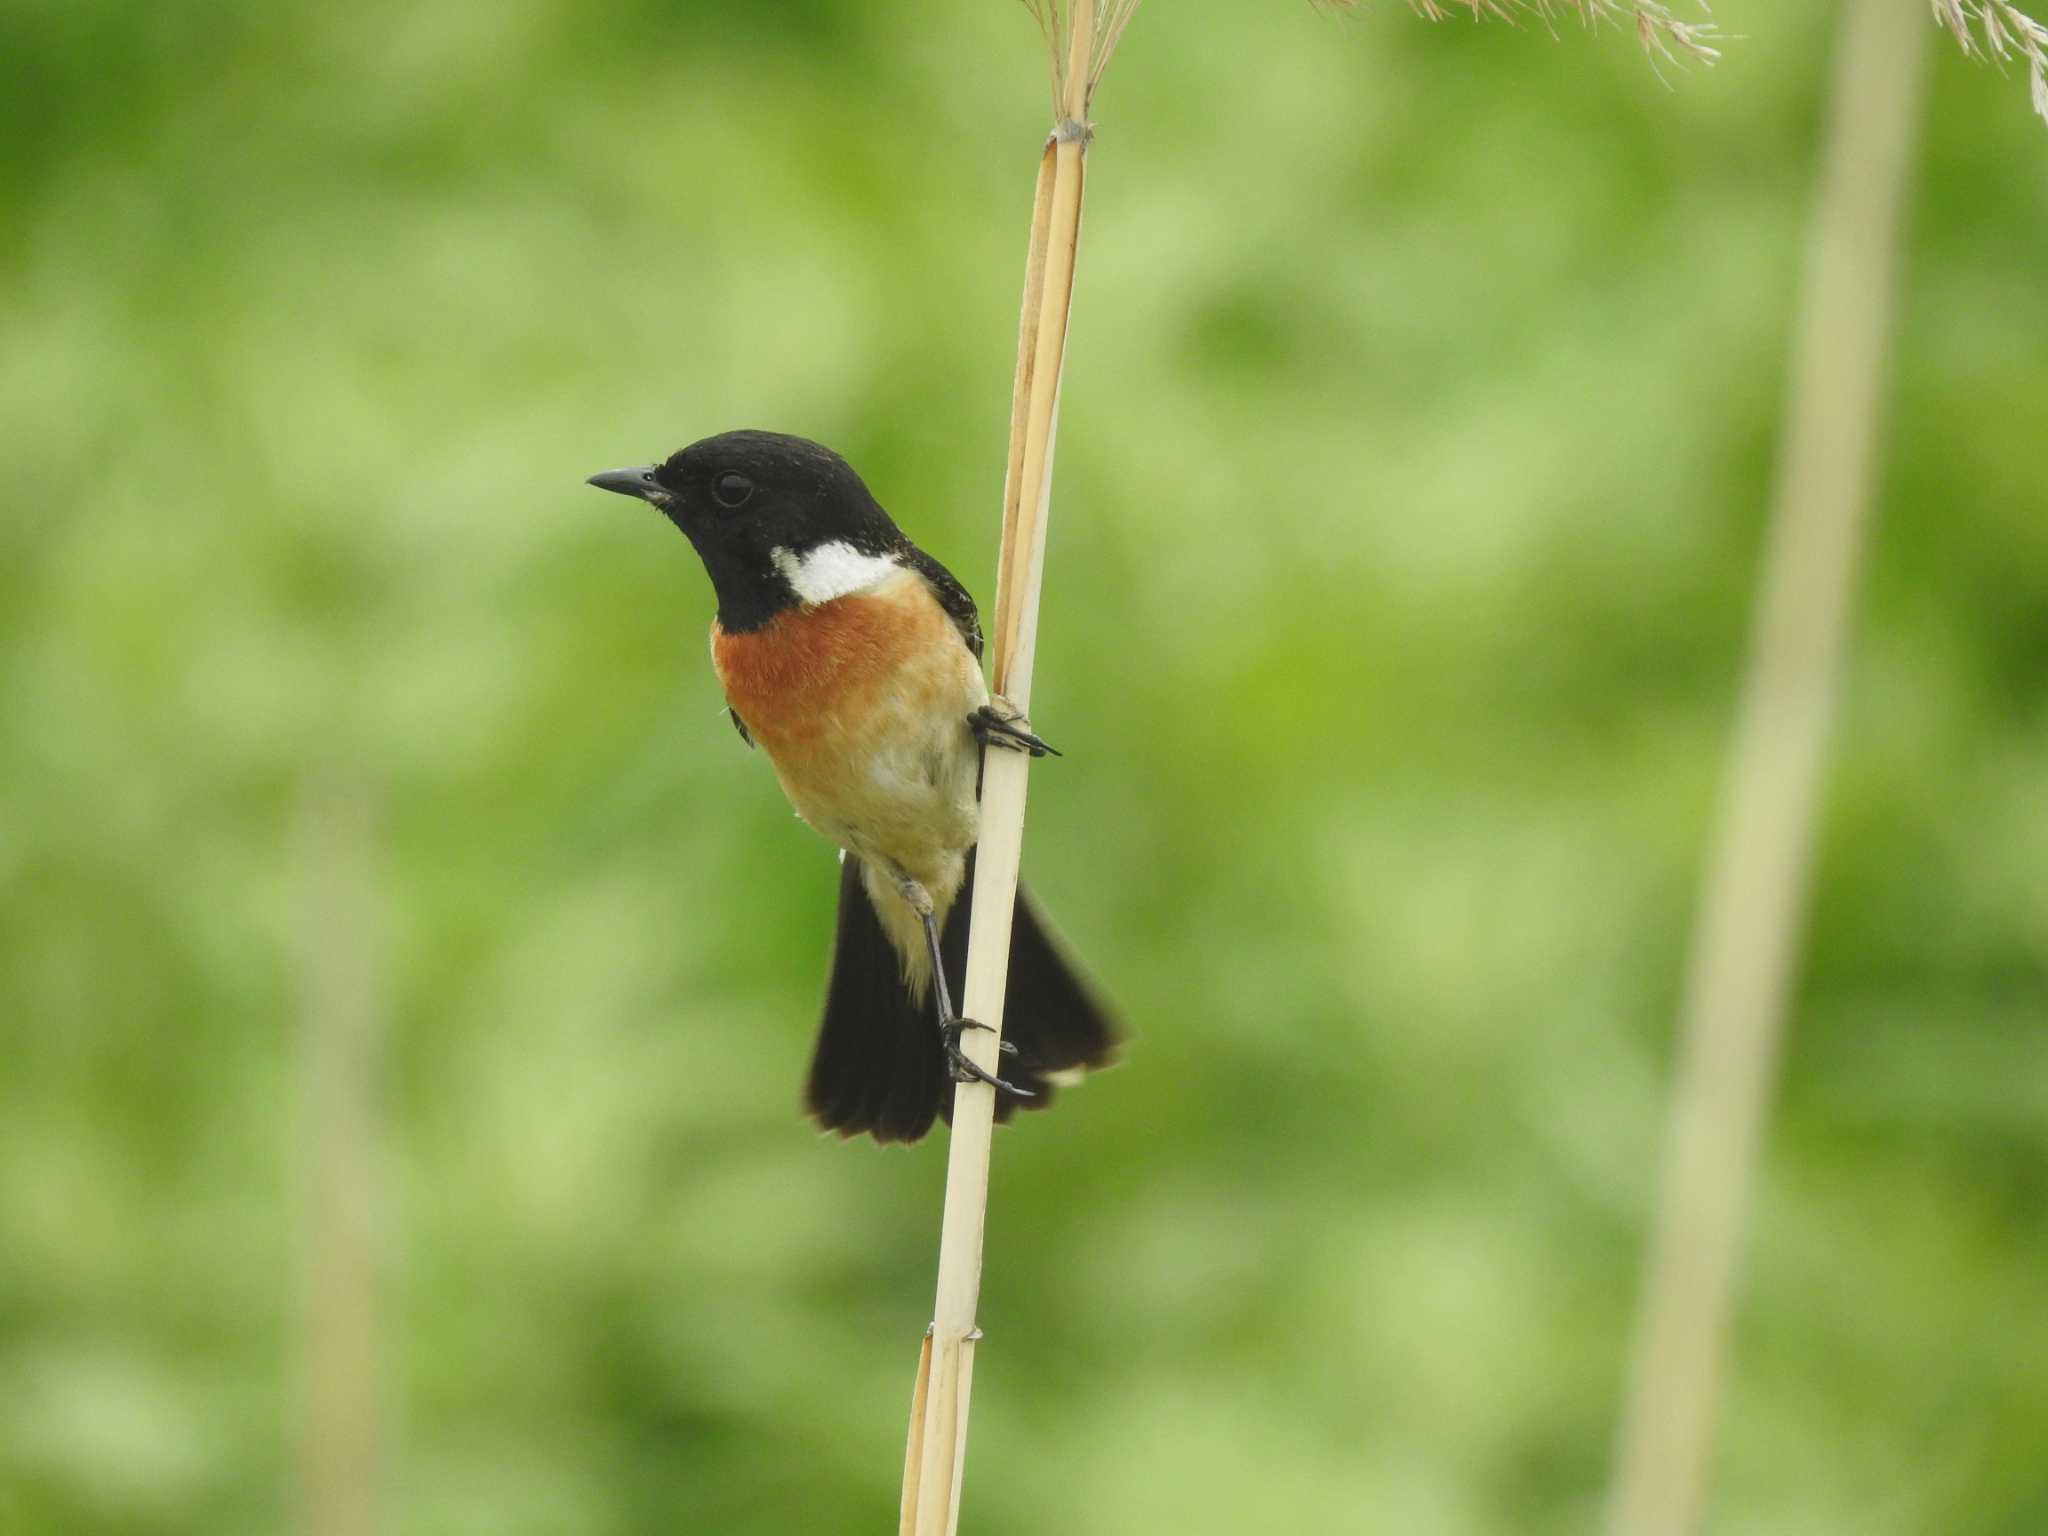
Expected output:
(851, 660)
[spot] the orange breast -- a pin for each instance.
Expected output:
(815, 672)
(861, 706)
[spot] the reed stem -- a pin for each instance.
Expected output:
(1752, 912)
(935, 1455)
(342, 1045)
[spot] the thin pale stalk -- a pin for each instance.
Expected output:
(341, 1047)
(1752, 913)
(1027, 356)
(936, 1452)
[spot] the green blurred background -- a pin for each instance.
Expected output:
(1418, 430)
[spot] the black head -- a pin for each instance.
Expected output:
(755, 505)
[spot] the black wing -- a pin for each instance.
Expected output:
(951, 595)
(740, 725)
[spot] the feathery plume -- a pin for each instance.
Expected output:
(1661, 33)
(1107, 29)
(2008, 32)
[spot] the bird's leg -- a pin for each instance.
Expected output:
(999, 723)
(951, 1025)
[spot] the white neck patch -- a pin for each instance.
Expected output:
(831, 570)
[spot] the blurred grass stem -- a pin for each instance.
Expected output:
(1079, 40)
(342, 989)
(1752, 914)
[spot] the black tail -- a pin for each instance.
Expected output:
(878, 1066)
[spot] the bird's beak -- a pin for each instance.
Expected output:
(638, 481)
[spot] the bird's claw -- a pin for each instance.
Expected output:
(999, 723)
(962, 1070)
(952, 1032)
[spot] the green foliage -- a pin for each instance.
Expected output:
(1417, 430)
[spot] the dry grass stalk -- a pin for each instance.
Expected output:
(1752, 912)
(342, 1046)
(2008, 32)
(1080, 37)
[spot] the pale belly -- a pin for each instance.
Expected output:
(861, 705)
(899, 792)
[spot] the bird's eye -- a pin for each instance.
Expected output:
(732, 490)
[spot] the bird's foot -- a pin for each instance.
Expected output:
(999, 723)
(963, 1070)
